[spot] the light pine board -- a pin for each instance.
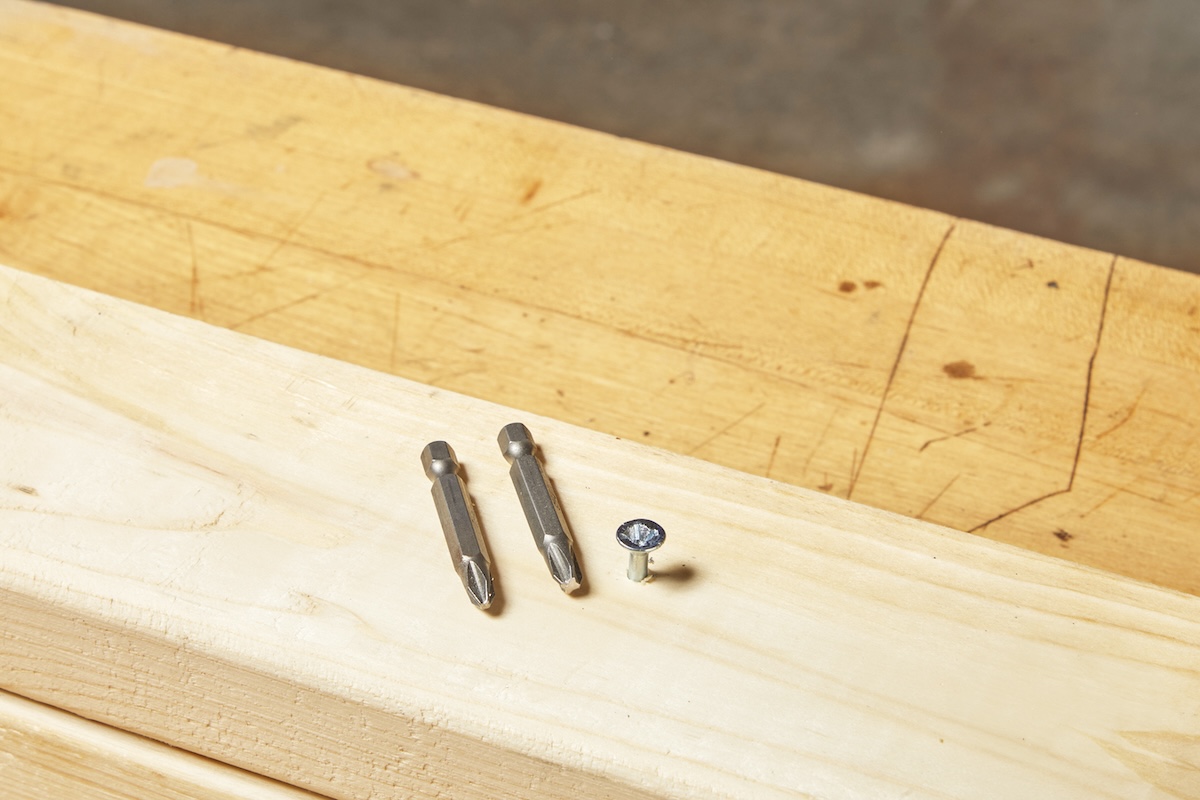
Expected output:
(1035, 393)
(49, 754)
(230, 546)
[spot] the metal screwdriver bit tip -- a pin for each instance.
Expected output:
(459, 523)
(550, 531)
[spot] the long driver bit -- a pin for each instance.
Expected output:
(459, 523)
(542, 511)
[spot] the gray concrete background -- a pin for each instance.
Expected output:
(1076, 119)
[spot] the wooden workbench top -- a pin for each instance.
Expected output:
(994, 382)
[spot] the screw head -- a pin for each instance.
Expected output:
(641, 535)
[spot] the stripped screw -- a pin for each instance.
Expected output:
(640, 537)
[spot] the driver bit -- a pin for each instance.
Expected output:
(542, 511)
(459, 523)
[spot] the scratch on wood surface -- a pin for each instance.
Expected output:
(921, 514)
(395, 332)
(195, 304)
(502, 229)
(286, 239)
(442, 378)
(569, 199)
(728, 427)
(386, 262)
(774, 451)
(1099, 505)
(1087, 396)
(293, 303)
(531, 192)
(948, 436)
(1128, 416)
(820, 441)
(899, 355)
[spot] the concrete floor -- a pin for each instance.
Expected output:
(1078, 119)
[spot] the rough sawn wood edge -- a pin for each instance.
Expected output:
(50, 753)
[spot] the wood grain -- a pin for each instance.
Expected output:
(230, 546)
(929, 366)
(49, 753)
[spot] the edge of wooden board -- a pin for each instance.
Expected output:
(229, 546)
(51, 753)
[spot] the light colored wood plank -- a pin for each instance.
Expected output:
(48, 753)
(763, 323)
(230, 546)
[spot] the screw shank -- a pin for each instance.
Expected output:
(639, 567)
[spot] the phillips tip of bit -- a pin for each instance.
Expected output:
(550, 531)
(459, 523)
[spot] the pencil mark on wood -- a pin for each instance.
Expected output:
(921, 514)
(20, 487)
(771, 460)
(729, 427)
(1087, 397)
(887, 388)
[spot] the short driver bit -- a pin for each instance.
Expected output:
(459, 523)
(550, 530)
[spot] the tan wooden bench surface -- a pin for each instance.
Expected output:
(1028, 391)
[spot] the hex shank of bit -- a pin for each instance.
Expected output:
(459, 523)
(549, 527)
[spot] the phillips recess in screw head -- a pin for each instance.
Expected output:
(459, 523)
(550, 530)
